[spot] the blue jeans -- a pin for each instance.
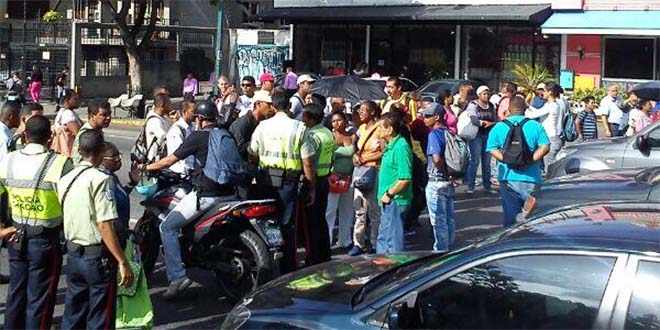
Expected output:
(478, 155)
(91, 292)
(181, 215)
(440, 202)
(514, 194)
(390, 231)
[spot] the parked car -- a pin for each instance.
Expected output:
(587, 267)
(407, 85)
(434, 87)
(608, 185)
(640, 150)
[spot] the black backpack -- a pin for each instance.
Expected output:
(516, 152)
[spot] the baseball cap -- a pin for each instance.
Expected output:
(305, 77)
(540, 86)
(482, 89)
(262, 96)
(433, 109)
(266, 76)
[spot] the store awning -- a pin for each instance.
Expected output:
(604, 22)
(463, 13)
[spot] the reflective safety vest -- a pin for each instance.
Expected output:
(326, 149)
(281, 140)
(30, 181)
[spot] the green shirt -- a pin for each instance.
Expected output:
(397, 164)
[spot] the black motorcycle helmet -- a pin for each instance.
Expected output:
(208, 110)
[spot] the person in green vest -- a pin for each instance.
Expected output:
(99, 116)
(324, 147)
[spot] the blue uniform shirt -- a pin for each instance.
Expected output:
(535, 136)
(436, 146)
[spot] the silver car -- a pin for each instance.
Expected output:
(639, 151)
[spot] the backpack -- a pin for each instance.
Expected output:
(224, 164)
(516, 152)
(141, 148)
(568, 131)
(457, 155)
(465, 128)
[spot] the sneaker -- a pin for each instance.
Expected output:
(177, 287)
(355, 251)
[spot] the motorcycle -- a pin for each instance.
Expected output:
(240, 241)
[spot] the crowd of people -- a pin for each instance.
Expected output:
(367, 171)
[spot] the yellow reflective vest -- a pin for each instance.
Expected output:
(277, 142)
(325, 148)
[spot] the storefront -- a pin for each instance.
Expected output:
(480, 42)
(605, 47)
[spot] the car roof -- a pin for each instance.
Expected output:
(610, 226)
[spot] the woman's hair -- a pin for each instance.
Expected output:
(341, 114)
(643, 102)
(553, 88)
(443, 95)
(395, 119)
(373, 108)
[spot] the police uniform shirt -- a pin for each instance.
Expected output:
(90, 201)
(268, 139)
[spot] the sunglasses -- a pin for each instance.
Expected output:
(247, 85)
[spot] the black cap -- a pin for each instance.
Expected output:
(207, 110)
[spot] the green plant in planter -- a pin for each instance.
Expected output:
(528, 77)
(580, 94)
(52, 16)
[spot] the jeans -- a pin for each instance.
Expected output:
(390, 231)
(514, 194)
(340, 211)
(555, 145)
(181, 215)
(367, 217)
(91, 292)
(440, 202)
(478, 155)
(33, 278)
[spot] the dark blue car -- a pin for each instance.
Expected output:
(596, 266)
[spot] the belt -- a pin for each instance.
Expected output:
(284, 174)
(37, 231)
(80, 250)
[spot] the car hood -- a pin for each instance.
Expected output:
(600, 144)
(615, 175)
(325, 287)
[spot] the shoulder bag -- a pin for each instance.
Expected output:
(364, 177)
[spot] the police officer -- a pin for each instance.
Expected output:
(30, 177)
(323, 148)
(277, 147)
(93, 249)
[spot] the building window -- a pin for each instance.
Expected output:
(630, 58)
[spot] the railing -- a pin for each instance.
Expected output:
(35, 32)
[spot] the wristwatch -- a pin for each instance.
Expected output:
(387, 192)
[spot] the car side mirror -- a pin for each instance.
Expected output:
(402, 314)
(642, 144)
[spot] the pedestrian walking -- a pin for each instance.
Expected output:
(340, 199)
(290, 83)
(508, 91)
(35, 258)
(439, 190)
(365, 178)
(277, 148)
(29, 110)
(304, 82)
(67, 124)
(551, 119)
(36, 80)
(156, 126)
(16, 86)
(245, 101)
(99, 116)
(519, 168)
(190, 87)
(178, 133)
(94, 253)
(396, 95)
(267, 82)
(613, 117)
(482, 114)
(639, 118)
(323, 148)
(60, 83)
(394, 183)
(586, 123)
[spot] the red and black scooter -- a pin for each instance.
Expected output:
(240, 241)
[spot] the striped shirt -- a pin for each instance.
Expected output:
(588, 125)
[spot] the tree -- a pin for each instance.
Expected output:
(135, 35)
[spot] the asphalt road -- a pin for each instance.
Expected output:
(205, 308)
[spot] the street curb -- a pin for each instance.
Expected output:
(128, 122)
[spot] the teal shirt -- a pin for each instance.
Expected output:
(535, 136)
(396, 164)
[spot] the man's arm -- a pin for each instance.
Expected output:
(162, 163)
(310, 175)
(578, 126)
(603, 119)
(540, 152)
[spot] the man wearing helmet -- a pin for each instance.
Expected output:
(208, 191)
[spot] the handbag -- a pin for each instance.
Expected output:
(364, 177)
(339, 184)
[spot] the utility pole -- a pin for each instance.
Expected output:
(218, 44)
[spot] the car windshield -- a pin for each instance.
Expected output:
(650, 175)
(434, 87)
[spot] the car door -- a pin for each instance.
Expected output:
(550, 289)
(638, 305)
(636, 159)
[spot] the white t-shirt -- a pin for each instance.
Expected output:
(609, 107)
(156, 133)
(244, 105)
(175, 137)
(550, 116)
(65, 116)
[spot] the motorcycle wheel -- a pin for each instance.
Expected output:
(150, 244)
(252, 268)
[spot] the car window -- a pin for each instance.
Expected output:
(540, 291)
(644, 307)
(654, 138)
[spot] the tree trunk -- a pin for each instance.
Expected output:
(134, 72)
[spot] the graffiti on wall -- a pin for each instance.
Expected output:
(255, 59)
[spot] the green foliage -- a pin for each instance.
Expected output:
(52, 16)
(528, 77)
(437, 68)
(597, 93)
